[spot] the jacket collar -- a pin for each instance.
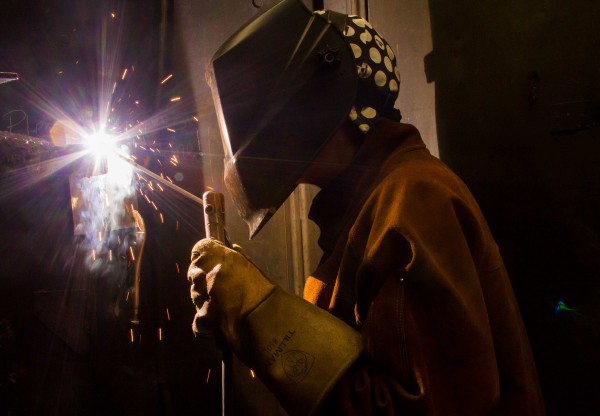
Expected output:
(337, 204)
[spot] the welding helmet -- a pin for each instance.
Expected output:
(282, 85)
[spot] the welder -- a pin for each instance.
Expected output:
(410, 310)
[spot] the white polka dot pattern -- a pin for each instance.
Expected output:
(375, 55)
(368, 112)
(388, 64)
(366, 37)
(377, 72)
(360, 22)
(389, 51)
(378, 76)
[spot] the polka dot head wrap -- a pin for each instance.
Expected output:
(378, 75)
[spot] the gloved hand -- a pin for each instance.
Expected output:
(226, 286)
(297, 349)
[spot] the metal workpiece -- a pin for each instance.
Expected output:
(8, 76)
(19, 150)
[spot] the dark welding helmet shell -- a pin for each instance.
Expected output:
(282, 85)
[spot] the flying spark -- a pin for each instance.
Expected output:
(113, 124)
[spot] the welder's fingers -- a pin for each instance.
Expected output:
(208, 252)
(199, 291)
(201, 325)
(225, 284)
(201, 283)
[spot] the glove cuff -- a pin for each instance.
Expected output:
(298, 350)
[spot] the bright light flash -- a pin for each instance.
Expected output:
(101, 144)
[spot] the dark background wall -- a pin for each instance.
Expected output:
(517, 100)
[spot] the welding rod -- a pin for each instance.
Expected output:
(165, 182)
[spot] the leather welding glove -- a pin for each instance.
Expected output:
(297, 349)
(225, 287)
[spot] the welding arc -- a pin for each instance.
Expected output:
(165, 182)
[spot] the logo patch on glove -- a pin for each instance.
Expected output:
(297, 364)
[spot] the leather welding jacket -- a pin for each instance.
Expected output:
(410, 262)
